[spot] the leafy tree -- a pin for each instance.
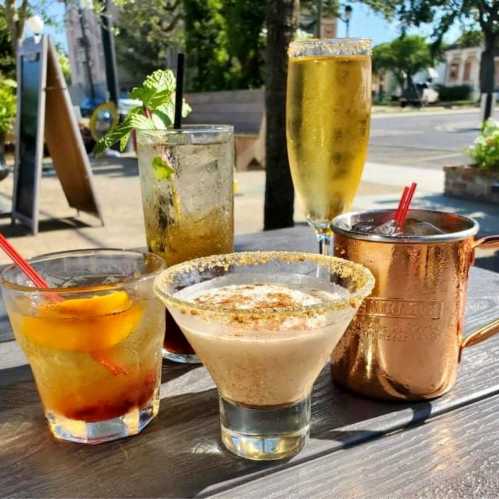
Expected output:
(442, 14)
(7, 113)
(7, 61)
(223, 43)
(472, 38)
(15, 16)
(243, 23)
(404, 57)
(205, 44)
(146, 30)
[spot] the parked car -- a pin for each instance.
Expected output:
(418, 95)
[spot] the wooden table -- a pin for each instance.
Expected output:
(448, 447)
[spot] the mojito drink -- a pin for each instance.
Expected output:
(187, 194)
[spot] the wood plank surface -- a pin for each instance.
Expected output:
(180, 455)
(455, 455)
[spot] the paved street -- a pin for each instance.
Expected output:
(423, 139)
(418, 146)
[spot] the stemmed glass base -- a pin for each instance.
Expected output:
(265, 433)
(324, 236)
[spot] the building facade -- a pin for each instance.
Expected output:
(463, 68)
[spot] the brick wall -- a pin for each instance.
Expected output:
(471, 183)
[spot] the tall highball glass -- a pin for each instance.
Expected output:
(328, 112)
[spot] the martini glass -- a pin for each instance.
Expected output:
(264, 325)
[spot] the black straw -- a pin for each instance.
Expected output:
(179, 91)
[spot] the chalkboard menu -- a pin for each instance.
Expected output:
(30, 124)
(41, 85)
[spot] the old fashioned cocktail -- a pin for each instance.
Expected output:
(93, 340)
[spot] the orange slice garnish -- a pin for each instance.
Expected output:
(84, 324)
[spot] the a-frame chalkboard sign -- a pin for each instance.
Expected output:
(45, 114)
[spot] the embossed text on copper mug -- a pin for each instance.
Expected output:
(406, 340)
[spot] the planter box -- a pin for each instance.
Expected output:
(468, 182)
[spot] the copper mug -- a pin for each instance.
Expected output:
(406, 340)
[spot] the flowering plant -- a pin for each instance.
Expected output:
(485, 149)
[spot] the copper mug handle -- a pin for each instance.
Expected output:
(491, 329)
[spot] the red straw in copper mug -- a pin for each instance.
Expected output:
(398, 211)
(404, 205)
(41, 283)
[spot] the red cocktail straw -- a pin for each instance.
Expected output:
(404, 204)
(40, 282)
(407, 205)
(23, 265)
(398, 211)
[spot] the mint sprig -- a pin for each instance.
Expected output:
(162, 170)
(156, 112)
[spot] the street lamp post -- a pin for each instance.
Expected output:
(347, 15)
(36, 25)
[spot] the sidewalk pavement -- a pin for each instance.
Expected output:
(118, 189)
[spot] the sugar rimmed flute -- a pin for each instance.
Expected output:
(93, 339)
(328, 113)
(264, 325)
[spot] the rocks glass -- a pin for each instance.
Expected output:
(93, 340)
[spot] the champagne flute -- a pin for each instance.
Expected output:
(328, 112)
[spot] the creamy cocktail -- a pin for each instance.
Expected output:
(264, 325)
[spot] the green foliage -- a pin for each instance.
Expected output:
(7, 104)
(7, 60)
(147, 33)
(65, 66)
(404, 56)
(224, 44)
(157, 96)
(473, 38)
(454, 93)
(485, 150)
(162, 170)
(443, 14)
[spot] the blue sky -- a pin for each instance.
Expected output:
(369, 24)
(364, 23)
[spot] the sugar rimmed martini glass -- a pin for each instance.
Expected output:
(264, 325)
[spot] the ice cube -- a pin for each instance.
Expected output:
(364, 227)
(389, 228)
(414, 227)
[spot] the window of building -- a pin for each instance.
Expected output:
(454, 71)
(467, 70)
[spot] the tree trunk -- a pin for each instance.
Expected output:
(282, 21)
(487, 74)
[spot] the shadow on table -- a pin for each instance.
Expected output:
(112, 167)
(47, 225)
(350, 412)
(180, 453)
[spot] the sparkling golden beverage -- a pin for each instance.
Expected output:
(328, 117)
